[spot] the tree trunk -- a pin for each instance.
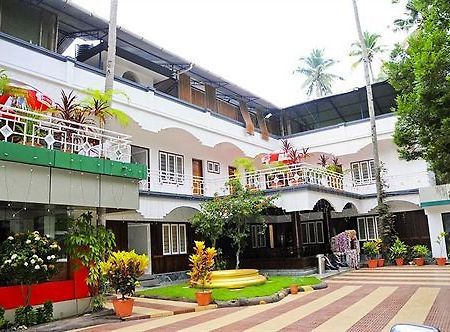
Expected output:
(238, 252)
(370, 105)
(111, 58)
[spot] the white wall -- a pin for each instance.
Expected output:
(435, 226)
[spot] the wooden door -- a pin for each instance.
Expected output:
(197, 177)
(120, 230)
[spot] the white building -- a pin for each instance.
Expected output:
(189, 125)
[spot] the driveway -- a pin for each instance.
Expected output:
(363, 300)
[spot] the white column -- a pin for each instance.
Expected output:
(435, 227)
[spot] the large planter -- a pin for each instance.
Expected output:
(293, 289)
(441, 261)
(203, 297)
(419, 261)
(372, 263)
(123, 308)
(380, 262)
(399, 261)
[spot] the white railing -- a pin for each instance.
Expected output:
(43, 130)
(271, 178)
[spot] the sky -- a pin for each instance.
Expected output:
(257, 44)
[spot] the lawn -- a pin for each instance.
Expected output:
(273, 285)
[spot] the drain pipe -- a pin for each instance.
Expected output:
(177, 74)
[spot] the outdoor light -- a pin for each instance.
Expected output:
(268, 115)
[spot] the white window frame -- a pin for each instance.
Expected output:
(180, 230)
(165, 175)
(258, 236)
(363, 181)
(213, 167)
(366, 221)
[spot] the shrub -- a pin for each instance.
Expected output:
(371, 249)
(25, 316)
(420, 251)
(4, 324)
(398, 249)
(122, 269)
(201, 263)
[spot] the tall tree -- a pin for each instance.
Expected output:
(420, 73)
(370, 104)
(411, 20)
(315, 68)
(371, 40)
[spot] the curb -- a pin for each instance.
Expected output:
(268, 299)
(170, 313)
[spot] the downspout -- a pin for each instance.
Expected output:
(178, 73)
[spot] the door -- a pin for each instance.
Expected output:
(446, 224)
(139, 241)
(231, 171)
(120, 230)
(197, 177)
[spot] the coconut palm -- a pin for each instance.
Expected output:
(373, 48)
(315, 68)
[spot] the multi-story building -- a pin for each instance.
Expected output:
(189, 125)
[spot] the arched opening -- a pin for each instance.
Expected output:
(130, 76)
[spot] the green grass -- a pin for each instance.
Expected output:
(273, 285)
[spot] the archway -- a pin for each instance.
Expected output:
(131, 76)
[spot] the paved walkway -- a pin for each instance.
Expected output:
(363, 300)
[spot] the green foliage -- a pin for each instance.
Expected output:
(243, 165)
(90, 244)
(25, 316)
(122, 269)
(440, 240)
(371, 249)
(272, 286)
(386, 219)
(98, 103)
(315, 69)
(4, 80)
(420, 251)
(399, 249)
(373, 48)
(4, 323)
(69, 109)
(28, 258)
(201, 263)
(420, 75)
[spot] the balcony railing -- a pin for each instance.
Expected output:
(40, 129)
(271, 178)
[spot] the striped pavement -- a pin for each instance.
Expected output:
(362, 300)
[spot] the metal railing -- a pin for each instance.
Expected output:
(41, 129)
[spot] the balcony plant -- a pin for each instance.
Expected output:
(201, 263)
(122, 270)
(441, 260)
(419, 252)
(372, 250)
(398, 251)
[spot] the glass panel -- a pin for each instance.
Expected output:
(304, 231)
(163, 166)
(362, 229)
(21, 20)
(371, 231)
(312, 232)
(166, 238)
(365, 172)
(182, 229)
(262, 237)
(179, 168)
(174, 234)
(319, 225)
(254, 236)
(372, 169)
(139, 155)
(355, 173)
(48, 30)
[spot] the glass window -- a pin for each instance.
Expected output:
(363, 172)
(304, 230)
(166, 239)
(367, 228)
(174, 237)
(171, 168)
(362, 229)
(319, 225)
(258, 235)
(182, 237)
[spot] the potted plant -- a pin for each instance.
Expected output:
(441, 260)
(202, 263)
(398, 251)
(419, 251)
(293, 288)
(122, 270)
(371, 249)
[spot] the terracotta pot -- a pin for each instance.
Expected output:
(203, 297)
(399, 261)
(123, 308)
(372, 263)
(441, 261)
(293, 288)
(380, 262)
(419, 261)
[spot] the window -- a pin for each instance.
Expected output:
(367, 228)
(258, 233)
(312, 232)
(213, 167)
(363, 172)
(171, 168)
(141, 155)
(174, 239)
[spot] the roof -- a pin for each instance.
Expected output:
(339, 108)
(75, 21)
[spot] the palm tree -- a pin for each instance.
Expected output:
(314, 68)
(372, 46)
